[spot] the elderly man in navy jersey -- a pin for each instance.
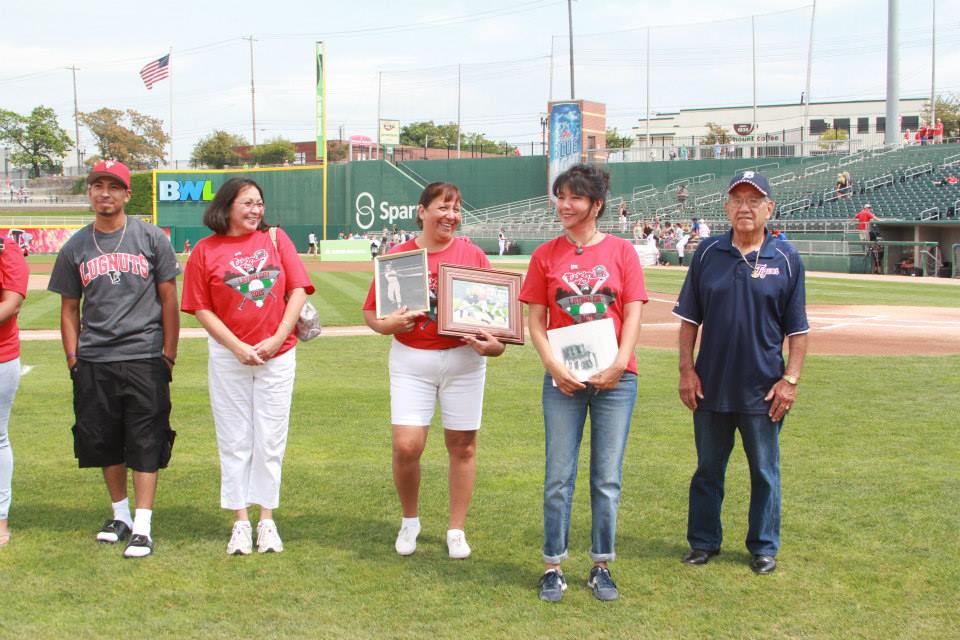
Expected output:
(746, 292)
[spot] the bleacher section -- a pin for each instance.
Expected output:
(899, 183)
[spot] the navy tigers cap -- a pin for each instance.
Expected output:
(753, 178)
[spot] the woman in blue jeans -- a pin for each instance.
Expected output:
(579, 277)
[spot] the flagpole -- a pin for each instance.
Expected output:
(170, 78)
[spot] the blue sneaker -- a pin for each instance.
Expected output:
(552, 585)
(602, 584)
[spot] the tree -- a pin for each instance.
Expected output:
(434, 136)
(128, 136)
(276, 151)
(38, 140)
(715, 134)
(948, 110)
(831, 138)
(217, 150)
(615, 141)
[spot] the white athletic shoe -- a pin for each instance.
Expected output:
(457, 544)
(407, 540)
(268, 539)
(241, 540)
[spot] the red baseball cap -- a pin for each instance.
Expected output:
(110, 169)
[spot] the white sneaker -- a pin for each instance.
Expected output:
(241, 540)
(407, 540)
(268, 539)
(457, 544)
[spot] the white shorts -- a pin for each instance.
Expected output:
(418, 377)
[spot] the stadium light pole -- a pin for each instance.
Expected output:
(891, 130)
(459, 75)
(76, 117)
(648, 89)
(753, 43)
(570, 26)
(253, 102)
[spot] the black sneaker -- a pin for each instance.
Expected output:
(602, 584)
(113, 531)
(552, 585)
(138, 547)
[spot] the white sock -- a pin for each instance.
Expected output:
(242, 523)
(141, 524)
(413, 523)
(121, 511)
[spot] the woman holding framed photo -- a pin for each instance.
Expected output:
(425, 367)
(580, 277)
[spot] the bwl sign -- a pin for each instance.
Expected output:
(743, 129)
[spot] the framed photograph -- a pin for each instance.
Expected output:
(401, 280)
(586, 348)
(470, 298)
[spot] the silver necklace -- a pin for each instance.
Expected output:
(122, 233)
(580, 245)
(755, 269)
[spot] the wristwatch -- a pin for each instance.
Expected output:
(791, 379)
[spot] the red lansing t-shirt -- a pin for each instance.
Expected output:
(864, 217)
(14, 274)
(591, 286)
(244, 280)
(461, 253)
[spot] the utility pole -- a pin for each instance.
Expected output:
(805, 125)
(570, 23)
(933, 67)
(459, 76)
(76, 118)
(648, 90)
(253, 102)
(379, 104)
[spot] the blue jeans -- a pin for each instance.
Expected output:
(714, 434)
(564, 419)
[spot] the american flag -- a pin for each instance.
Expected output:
(156, 71)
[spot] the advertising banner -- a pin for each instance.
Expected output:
(345, 251)
(389, 132)
(566, 139)
(36, 239)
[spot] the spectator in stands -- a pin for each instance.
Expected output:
(624, 210)
(938, 132)
(848, 192)
(951, 180)
(922, 135)
(684, 154)
(841, 186)
(703, 229)
(717, 150)
(682, 194)
(907, 139)
(744, 294)
(501, 241)
(638, 232)
(604, 282)
(864, 219)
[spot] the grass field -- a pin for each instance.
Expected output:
(340, 295)
(869, 535)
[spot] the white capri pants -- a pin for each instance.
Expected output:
(9, 381)
(251, 412)
(419, 377)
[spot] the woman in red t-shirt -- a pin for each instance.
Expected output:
(583, 276)
(13, 289)
(247, 291)
(425, 366)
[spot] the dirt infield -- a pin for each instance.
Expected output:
(857, 330)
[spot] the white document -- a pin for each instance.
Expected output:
(585, 348)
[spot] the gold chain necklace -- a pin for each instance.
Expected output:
(122, 233)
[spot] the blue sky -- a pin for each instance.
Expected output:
(700, 56)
